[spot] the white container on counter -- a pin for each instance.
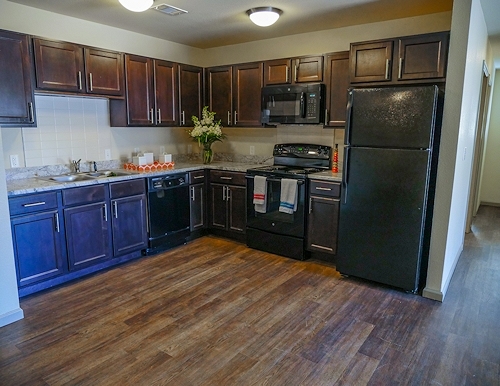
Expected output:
(139, 160)
(149, 158)
(164, 158)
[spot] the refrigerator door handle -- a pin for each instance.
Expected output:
(345, 178)
(347, 138)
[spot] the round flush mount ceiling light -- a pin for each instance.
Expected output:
(137, 5)
(264, 16)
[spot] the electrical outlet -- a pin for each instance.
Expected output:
(107, 154)
(162, 149)
(190, 148)
(252, 150)
(14, 161)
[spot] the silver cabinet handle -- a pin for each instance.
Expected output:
(56, 215)
(320, 188)
(228, 118)
(295, 73)
(31, 112)
(224, 193)
(400, 72)
(152, 119)
(235, 117)
(105, 207)
(228, 193)
(79, 80)
(226, 178)
(183, 118)
(326, 117)
(34, 204)
(310, 205)
(198, 177)
(90, 81)
(159, 115)
(192, 193)
(321, 247)
(286, 74)
(115, 208)
(387, 65)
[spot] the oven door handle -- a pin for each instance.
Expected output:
(299, 182)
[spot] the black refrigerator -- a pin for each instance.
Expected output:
(390, 160)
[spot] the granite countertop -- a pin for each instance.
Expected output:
(37, 184)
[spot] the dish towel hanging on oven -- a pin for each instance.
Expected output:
(288, 198)
(260, 193)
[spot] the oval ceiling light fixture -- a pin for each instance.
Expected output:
(264, 16)
(137, 5)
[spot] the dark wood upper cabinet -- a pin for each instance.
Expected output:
(139, 95)
(190, 93)
(219, 92)
(409, 59)
(294, 70)
(165, 85)
(71, 68)
(16, 81)
(423, 57)
(104, 70)
(371, 62)
(247, 84)
(337, 84)
(59, 66)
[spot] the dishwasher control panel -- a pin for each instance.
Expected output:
(166, 182)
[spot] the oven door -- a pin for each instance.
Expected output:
(273, 220)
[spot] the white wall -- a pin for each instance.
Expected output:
(468, 49)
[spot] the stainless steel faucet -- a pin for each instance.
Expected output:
(76, 165)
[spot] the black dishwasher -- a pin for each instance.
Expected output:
(168, 212)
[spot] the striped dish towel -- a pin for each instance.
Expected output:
(288, 197)
(260, 193)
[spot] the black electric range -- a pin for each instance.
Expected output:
(274, 231)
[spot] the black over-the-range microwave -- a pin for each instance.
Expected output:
(293, 104)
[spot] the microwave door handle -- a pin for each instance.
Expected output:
(302, 105)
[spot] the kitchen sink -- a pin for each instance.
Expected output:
(86, 176)
(69, 178)
(108, 173)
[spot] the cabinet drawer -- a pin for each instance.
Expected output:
(32, 203)
(127, 188)
(197, 177)
(83, 195)
(229, 178)
(324, 188)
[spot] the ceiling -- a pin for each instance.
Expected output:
(212, 23)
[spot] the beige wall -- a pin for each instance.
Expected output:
(468, 50)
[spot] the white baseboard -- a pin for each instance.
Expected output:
(432, 294)
(11, 317)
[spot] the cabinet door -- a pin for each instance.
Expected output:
(337, 84)
(16, 89)
(59, 66)
(129, 224)
(197, 206)
(220, 92)
(165, 85)
(190, 93)
(323, 224)
(104, 71)
(371, 62)
(139, 90)
(87, 234)
(218, 199)
(277, 71)
(237, 210)
(247, 84)
(38, 241)
(423, 57)
(308, 69)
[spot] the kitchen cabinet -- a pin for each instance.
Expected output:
(323, 217)
(87, 220)
(197, 200)
(294, 70)
(410, 59)
(247, 84)
(37, 237)
(151, 94)
(129, 217)
(337, 85)
(71, 68)
(16, 80)
(228, 202)
(220, 92)
(190, 93)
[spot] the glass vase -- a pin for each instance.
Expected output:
(207, 154)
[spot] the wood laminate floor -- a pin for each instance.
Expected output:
(214, 312)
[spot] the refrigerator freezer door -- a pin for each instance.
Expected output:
(392, 117)
(382, 215)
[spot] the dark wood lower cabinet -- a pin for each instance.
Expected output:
(323, 217)
(197, 206)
